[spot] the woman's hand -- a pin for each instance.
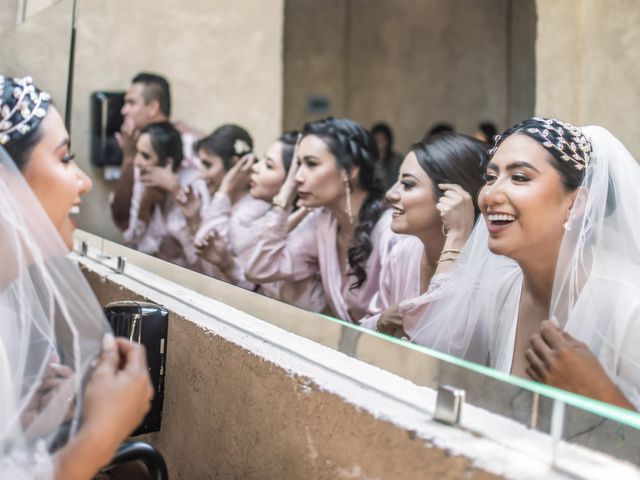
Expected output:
(161, 177)
(289, 188)
(189, 202)
(119, 393)
(457, 212)
(237, 179)
(556, 358)
(214, 249)
(116, 400)
(391, 322)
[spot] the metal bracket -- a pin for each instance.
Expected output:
(122, 262)
(449, 405)
(84, 248)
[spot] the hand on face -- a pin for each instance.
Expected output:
(456, 211)
(289, 188)
(556, 358)
(127, 138)
(161, 177)
(237, 178)
(119, 392)
(391, 322)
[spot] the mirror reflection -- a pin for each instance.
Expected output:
(341, 158)
(376, 204)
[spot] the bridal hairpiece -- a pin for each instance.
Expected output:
(19, 118)
(566, 139)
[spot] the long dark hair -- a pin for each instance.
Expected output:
(453, 158)
(352, 146)
(227, 141)
(288, 141)
(384, 129)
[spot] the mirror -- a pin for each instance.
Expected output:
(271, 67)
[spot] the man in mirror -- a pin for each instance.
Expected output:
(147, 101)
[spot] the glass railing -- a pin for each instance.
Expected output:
(564, 415)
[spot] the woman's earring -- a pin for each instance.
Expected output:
(566, 225)
(349, 211)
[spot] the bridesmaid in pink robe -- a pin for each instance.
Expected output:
(434, 203)
(267, 178)
(157, 225)
(347, 237)
(224, 228)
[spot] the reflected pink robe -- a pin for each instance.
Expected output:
(166, 223)
(400, 284)
(312, 249)
(233, 223)
(307, 293)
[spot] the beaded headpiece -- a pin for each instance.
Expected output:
(22, 107)
(564, 140)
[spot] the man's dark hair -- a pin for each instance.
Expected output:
(157, 88)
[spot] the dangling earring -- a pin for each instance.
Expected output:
(349, 211)
(567, 226)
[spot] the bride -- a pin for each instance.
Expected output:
(556, 295)
(69, 394)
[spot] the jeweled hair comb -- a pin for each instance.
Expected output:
(22, 107)
(566, 140)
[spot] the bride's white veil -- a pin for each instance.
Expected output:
(596, 291)
(51, 327)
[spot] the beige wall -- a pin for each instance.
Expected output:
(411, 63)
(223, 59)
(589, 65)
(230, 414)
(39, 47)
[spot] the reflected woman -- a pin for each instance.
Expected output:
(59, 377)
(158, 226)
(347, 236)
(267, 178)
(434, 203)
(560, 204)
(227, 157)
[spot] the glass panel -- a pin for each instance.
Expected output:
(587, 422)
(36, 41)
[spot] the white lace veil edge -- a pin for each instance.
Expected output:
(49, 316)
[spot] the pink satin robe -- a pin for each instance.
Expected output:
(311, 249)
(400, 284)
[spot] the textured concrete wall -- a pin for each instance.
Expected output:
(411, 63)
(231, 414)
(223, 59)
(589, 64)
(39, 47)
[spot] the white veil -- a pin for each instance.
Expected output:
(51, 327)
(596, 291)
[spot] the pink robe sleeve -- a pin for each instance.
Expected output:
(384, 297)
(278, 255)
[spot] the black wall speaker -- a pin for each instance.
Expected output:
(148, 324)
(106, 120)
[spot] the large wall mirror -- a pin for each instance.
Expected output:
(270, 67)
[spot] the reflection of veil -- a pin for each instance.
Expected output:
(48, 316)
(596, 291)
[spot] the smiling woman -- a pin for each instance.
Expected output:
(347, 236)
(547, 287)
(69, 394)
